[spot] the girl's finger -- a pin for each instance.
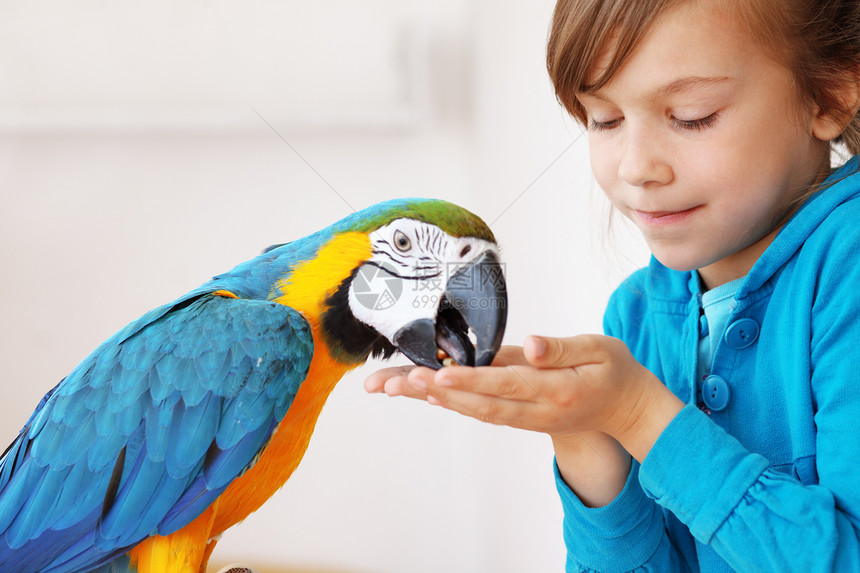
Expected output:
(509, 355)
(549, 352)
(394, 382)
(400, 386)
(376, 381)
(513, 383)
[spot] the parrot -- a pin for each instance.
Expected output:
(189, 418)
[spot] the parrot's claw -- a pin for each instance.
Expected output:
(237, 568)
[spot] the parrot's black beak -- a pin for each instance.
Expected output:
(470, 321)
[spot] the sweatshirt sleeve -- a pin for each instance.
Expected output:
(754, 517)
(625, 535)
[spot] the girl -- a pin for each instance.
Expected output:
(716, 427)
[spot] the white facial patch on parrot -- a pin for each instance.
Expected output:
(406, 276)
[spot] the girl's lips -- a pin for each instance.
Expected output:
(665, 217)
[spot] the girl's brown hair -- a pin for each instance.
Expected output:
(818, 40)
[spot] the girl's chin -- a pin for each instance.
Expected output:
(678, 261)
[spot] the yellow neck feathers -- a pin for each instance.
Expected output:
(313, 281)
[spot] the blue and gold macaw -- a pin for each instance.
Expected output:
(191, 417)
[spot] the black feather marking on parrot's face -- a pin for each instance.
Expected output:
(350, 340)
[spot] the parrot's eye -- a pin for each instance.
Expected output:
(401, 241)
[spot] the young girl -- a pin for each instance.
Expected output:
(717, 426)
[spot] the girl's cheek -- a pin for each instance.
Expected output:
(601, 163)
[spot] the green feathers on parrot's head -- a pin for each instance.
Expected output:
(450, 218)
(453, 219)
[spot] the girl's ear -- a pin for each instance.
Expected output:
(828, 125)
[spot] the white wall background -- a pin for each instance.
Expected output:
(145, 147)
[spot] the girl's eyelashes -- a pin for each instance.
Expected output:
(683, 124)
(696, 124)
(596, 126)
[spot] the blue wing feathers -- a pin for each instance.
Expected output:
(213, 365)
(128, 419)
(128, 380)
(18, 491)
(159, 390)
(142, 501)
(192, 390)
(90, 495)
(191, 434)
(158, 427)
(197, 497)
(76, 482)
(120, 565)
(223, 465)
(76, 442)
(12, 459)
(44, 494)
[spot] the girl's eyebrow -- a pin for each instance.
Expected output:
(688, 83)
(671, 88)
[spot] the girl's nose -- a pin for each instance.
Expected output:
(642, 161)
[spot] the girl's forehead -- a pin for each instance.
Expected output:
(695, 40)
